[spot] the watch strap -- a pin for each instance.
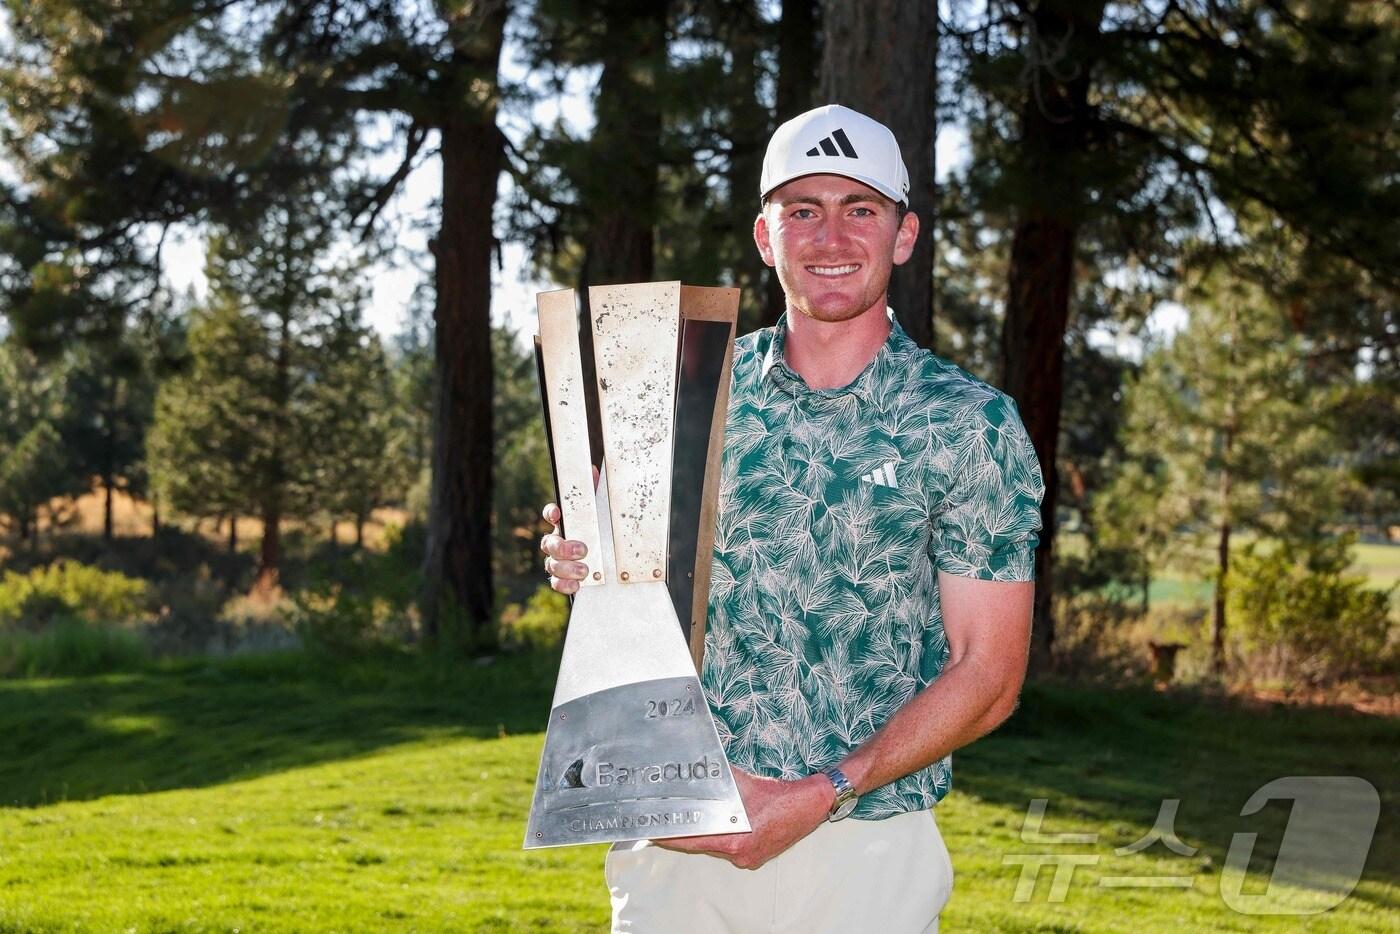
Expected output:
(846, 796)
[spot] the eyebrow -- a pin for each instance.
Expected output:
(853, 198)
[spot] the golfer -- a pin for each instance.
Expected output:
(870, 601)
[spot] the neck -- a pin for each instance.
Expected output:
(830, 354)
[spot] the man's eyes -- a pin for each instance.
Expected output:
(858, 211)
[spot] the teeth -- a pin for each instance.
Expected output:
(833, 270)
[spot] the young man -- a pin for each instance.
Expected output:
(870, 603)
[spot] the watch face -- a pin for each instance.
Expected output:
(845, 809)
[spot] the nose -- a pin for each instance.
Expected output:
(832, 230)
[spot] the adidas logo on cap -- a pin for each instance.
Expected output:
(829, 143)
(836, 140)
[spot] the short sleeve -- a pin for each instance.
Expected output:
(989, 522)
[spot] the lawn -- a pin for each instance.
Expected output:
(275, 794)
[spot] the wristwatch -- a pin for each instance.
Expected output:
(846, 797)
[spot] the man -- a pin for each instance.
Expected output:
(870, 602)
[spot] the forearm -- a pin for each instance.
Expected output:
(966, 701)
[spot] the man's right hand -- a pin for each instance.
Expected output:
(562, 556)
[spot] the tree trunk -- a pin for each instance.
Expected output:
(457, 591)
(1037, 310)
(880, 57)
(359, 530)
(1055, 126)
(1222, 579)
(1222, 575)
(750, 129)
(155, 515)
(107, 506)
(626, 142)
(799, 49)
(233, 533)
(270, 550)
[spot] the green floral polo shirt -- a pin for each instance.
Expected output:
(837, 510)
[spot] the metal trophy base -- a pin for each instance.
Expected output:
(618, 773)
(631, 750)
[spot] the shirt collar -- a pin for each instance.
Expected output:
(876, 373)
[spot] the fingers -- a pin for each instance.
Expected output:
(562, 549)
(565, 570)
(561, 555)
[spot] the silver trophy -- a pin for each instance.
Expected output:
(631, 750)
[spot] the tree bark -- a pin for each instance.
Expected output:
(233, 533)
(1055, 132)
(270, 551)
(749, 121)
(626, 144)
(107, 506)
(880, 57)
(1222, 571)
(799, 52)
(458, 588)
(1222, 580)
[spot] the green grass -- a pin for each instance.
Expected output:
(274, 794)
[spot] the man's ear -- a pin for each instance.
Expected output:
(905, 238)
(761, 239)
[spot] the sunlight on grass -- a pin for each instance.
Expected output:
(285, 799)
(126, 723)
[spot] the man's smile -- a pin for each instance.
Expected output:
(834, 270)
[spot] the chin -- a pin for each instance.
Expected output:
(832, 313)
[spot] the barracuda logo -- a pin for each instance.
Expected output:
(703, 769)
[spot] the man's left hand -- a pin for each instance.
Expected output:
(780, 814)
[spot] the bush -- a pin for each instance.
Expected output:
(539, 624)
(337, 622)
(1296, 602)
(68, 588)
(70, 647)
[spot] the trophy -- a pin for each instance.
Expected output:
(631, 750)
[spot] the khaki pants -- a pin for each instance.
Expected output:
(893, 876)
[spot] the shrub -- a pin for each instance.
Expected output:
(68, 588)
(335, 621)
(70, 647)
(539, 624)
(1297, 601)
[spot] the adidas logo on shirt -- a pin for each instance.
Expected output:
(881, 476)
(828, 146)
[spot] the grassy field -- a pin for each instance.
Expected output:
(275, 794)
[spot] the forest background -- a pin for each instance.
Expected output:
(1225, 170)
(1170, 230)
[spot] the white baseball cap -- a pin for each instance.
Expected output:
(836, 140)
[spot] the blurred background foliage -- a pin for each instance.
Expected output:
(1169, 230)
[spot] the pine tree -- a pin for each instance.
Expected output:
(150, 115)
(1230, 434)
(350, 411)
(35, 466)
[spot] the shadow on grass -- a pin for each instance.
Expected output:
(1102, 756)
(1112, 756)
(196, 724)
